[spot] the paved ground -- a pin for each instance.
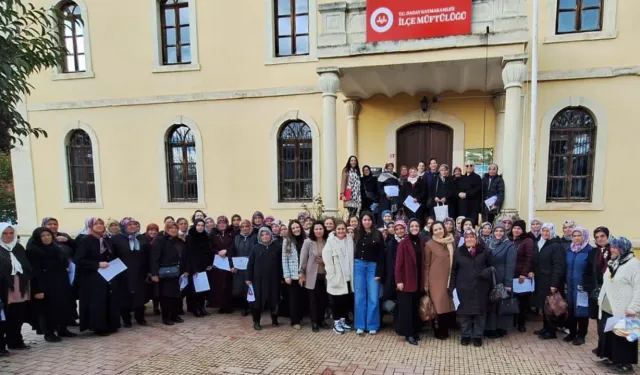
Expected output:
(228, 345)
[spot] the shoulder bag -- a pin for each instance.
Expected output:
(169, 272)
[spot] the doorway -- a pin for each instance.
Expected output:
(422, 141)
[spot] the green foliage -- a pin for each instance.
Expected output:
(28, 44)
(7, 199)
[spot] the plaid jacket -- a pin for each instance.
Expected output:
(290, 264)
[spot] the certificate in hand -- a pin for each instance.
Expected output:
(201, 282)
(115, 268)
(410, 204)
(240, 262)
(526, 287)
(221, 263)
(392, 190)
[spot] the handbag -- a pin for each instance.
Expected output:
(348, 194)
(427, 310)
(441, 212)
(509, 306)
(498, 293)
(169, 272)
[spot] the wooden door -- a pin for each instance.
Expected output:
(422, 141)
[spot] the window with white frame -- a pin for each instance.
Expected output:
(71, 33)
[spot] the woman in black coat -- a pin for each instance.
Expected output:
(99, 305)
(166, 257)
(133, 249)
(389, 288)
(243, 243)
(469, 192)
(264, 273)
(443, 190)
(198, 258)
(415, 188)
(597, 263)
(492, 186)
(51, 278)
(471, 278)
(387, 202)
(549, 265)
(369, 189)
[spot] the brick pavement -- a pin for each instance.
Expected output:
(228, 345)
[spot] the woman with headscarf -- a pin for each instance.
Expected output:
(469, 193)
(312, 274)
(350, 188)
(459, 231)
(619, 296)
(166, 257)
(549, 267)
(275, 233)
(243, 242)
(50, 278)
(99, 305)
(198, 258)
(15, 273)
(61, 239)
(133, 249)
(415, 189)
(337, 256)
(525, 249)
(567, 232)
(369, 189)
(389, 286)
(235, 223)
(536, 226)
(436, 278)
(577, 255)
(492, 186)
(83, 232)
(268, 220)
(264, 274)
(221, 281)
(471, 278)
(113, 227)
(503, 260)
(408, 277)
(484, 233)
(209, 224)
(291, 248)
(595, 269)
(387, 218)
(387, 201)
(152, 232)
(257, 221)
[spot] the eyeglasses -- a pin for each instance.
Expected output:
(507, 222)
(469, 166)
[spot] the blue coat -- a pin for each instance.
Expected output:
(576, 262)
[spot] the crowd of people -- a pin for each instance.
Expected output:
(382, 260)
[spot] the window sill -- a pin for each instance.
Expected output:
(580, 37)
(72, 205)
(175, 68)
(567, 206)
(183, 205)
(290, 60)
(77, 75)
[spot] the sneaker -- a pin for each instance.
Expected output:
(359, 332)
(373, 332)
(345, 325)
(337, 327)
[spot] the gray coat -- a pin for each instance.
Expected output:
(503, 260)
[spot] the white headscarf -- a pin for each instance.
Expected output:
(552, 229)
(16, 267)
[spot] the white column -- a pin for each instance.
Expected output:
(498, 105)
(513, 75)
(329, 83)
(352, 107)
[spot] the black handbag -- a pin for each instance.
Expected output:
(509, 306)
(497, 293)
(169, 272)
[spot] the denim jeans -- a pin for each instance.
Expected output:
(367, 294)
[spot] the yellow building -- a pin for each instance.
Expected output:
(164, 107)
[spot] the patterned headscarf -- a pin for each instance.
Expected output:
(256, 214)
(484, 238)
(270, 217)
(46, 220)
(571, 224)
(535, 220)
(624, 246)
(471, 232)
(302, 216)
(85, 231)
(101, 236)
(552, 229)
(585, 240)
(134, 244)
(243, 222)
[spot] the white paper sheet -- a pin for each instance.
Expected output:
(456, 300)
(240, 263)
(525, 287)
(2, 317)
(583, 299)
(612, 322)
(413, 206)
(392, 190)
(201, 282)
(221, 263)
(72, 272)
(183, 282)
(251, 296)
(489, 202)
(115, 268)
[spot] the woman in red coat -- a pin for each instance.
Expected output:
(407, 272)
(221, 281)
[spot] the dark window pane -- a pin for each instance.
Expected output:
(590, 20)
(568, 4)
(302, 45)
(182, 174)
(566, 22)
(302, 25)
(80, 167)
(302, 6)
(295, 155)
(284, 7)
(284, 46)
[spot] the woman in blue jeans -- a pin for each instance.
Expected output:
(368, 271)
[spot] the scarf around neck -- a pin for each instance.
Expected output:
(614, 264)
(412, 180)
(16, 267)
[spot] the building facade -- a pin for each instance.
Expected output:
(236, 106)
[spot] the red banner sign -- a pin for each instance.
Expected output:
(415, 19)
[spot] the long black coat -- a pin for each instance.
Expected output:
(242, 248)
(99, 303)
(265, 272)
(368, 191)
(133, 281)
(68, 247)
(417, 191)
(470, 206)
(388, 203)
(471, 276)
(549, 265)
(389, 291)
(198, 253)
(165, 253)
(493, 186)
(593, 276)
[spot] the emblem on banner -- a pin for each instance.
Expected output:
(381, 20)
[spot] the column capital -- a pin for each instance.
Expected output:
(329, 81)
(514, 70)
(352, 107)
(499, 100)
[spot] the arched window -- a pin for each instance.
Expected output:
(295, 182)
(182, 175)
(82, 187)
(176, 41)
(572, 145)
(72, 37)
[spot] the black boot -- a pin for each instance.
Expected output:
(51, 337)
(274, 321)
(411, 340)
(64, 332)
(257, 326)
